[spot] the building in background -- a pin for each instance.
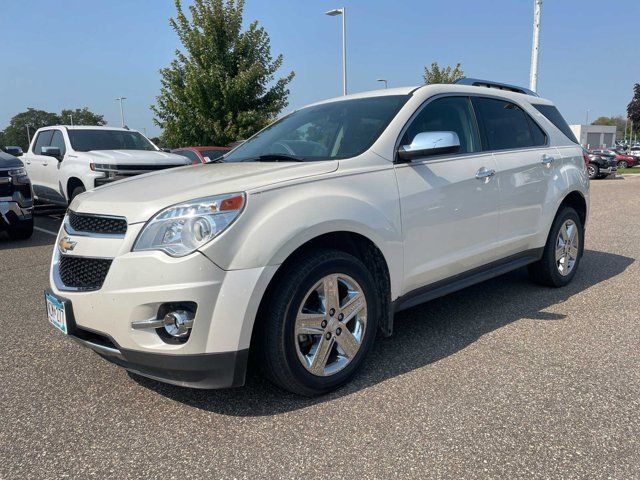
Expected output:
(595, 136)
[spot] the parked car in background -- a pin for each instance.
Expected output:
(16, 198)
(601, 165)
(307, 238)
(622, 160)
(64, 161)
(201, 154)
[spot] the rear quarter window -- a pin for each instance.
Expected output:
(552, 114)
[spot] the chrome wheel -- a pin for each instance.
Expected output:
(567, 247)
(330, 325)
(591, 170)
(622, 164)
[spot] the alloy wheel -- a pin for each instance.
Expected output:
(330, 325)
(567, 247)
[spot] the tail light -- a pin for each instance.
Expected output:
(585, 157)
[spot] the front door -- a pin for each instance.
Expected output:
(449, 203)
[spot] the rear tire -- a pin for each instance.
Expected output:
(623, 164)
(593, 171)
(22, 230)
(288, 340)
(562, 254)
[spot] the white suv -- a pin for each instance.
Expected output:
(64, 161)
(301, 243)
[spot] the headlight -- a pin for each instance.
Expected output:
(18, 172)
(181, 229)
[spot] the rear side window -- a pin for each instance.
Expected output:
(43, 140)
(506, 125)
(553, 115)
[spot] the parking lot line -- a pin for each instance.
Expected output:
(55, 234)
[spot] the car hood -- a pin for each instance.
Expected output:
(139, 198)
(9, 161)
(135, 157)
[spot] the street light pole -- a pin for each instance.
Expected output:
(28, 134)
(120, 99)
(535, 48)
(71, 117)
(332, 13)
(383, 81)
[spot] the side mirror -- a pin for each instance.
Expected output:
(52, 152)
(430, 143)
(15, 151)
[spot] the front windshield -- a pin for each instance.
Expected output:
(328, 131)
(85, 140)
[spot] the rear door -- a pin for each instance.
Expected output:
(526, 166)
(449, 203)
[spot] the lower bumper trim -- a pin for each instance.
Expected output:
(205, 371)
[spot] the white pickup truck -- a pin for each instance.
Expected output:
(64, 161)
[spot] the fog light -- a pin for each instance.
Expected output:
(178, 323)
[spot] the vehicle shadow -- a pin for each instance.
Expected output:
(38, 239)
(422, 335)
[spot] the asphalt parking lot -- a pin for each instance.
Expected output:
(503, 380)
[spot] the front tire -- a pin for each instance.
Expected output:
(593, 171)
(22, 230)
(563, 251)
(318, 323)
(75, 192)
(623, 164)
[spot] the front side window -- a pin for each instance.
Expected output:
(58, 141)
(448, 114)
(85, 140)
(506, 125)
(340, 129)
(43, 140)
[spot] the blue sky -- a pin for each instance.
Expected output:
(76, 53)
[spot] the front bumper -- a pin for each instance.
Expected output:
(138, 284)
(12, 213)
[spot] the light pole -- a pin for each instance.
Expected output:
(71, 117)
(28, 134)
(535, 47)
(588, 110)
(332, 13)
(383, 81)
(120, 99)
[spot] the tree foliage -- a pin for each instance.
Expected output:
(16, 131)
(81, 116)
(435, 74)
(618, 121)
(633, 109)
(222, 86)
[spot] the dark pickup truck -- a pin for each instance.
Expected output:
(16, 198)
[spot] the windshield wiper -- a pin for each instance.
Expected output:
(274, 157)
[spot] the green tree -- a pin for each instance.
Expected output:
(16, 132)
(618, 121)
(435, 74)
(222, 86)
(633, 109)
(81, 116)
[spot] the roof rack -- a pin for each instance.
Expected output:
(476, 82)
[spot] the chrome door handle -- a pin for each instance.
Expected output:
(548, 159)
(485, 174)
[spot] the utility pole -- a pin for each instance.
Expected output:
(71, 117)
(120, 99)
(535, 47)
(332, 13)
(28, 134)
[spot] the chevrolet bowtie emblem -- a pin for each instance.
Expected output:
(66, 244)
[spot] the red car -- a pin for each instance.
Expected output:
(201, 154)
(623, 161)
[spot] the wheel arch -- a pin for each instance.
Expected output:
(348, 241)
(73, 183)
(577, 201)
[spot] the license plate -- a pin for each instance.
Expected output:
(56, 312)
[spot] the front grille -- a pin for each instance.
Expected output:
(5, 186)
(83, 273)
(97, 224)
